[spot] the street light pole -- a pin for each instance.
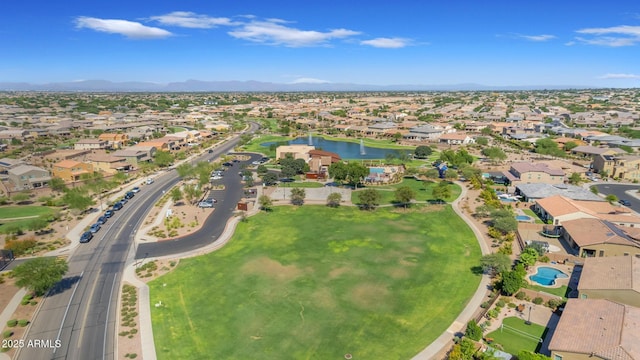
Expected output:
(528, 322)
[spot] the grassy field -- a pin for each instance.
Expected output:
(254, 145)
(423, 190)
(517, 335)
(378, 285)
(304, 184)
(377, 143)
(10, 212)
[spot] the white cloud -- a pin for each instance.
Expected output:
(305, 80)
(130, 29)
(192, 20)
(272, 32)
(387, 43)
(616, 36)
(538, 38)
(620, 76)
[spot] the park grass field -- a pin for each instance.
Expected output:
(21, 211)
(517, 336)
(316, 282)
(423, 190)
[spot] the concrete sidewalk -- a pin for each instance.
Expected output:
(7, 313)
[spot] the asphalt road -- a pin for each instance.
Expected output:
(77, 319)
(619, 190)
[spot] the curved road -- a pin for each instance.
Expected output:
(620, 191)
(77, 319)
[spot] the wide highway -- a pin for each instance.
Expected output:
(77, 319)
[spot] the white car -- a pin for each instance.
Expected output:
(215, 177)
(149, 181)
(205, 204)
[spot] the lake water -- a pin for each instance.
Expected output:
(346, 150)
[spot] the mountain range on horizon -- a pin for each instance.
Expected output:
(254, 86)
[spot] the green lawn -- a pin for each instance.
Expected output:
(517, 336)
(304, 184)
(423, 190)
(9, 212)
(378, 285)
(254, 145)
(533, 215)
(376, 143)
(558, 291)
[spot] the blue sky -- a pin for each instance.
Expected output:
(383, 43)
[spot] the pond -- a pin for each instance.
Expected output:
(346, 150)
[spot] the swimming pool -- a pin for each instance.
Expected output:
(524, 218)
(375, 170)
(546, 276)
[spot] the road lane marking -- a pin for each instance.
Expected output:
(106, 324)
(86, 312)
(66, 311)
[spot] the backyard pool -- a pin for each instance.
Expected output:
(524, 218)
(546, 276)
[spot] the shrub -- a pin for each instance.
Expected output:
(7, 334)
(544, 259)
(23, 322)
(493, 313)
(538, 300)
(521, 296)
(511, 305)
(484, 305)
(500, 303)
(20, 247)
(474, 331)
(12, 323)
(555, 303)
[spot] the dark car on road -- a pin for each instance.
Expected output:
(94, 228)
(227, 164)
(624, 202)
(102, 219)
(86, 237)
(129, 195)
(117, 206)
(109, 213)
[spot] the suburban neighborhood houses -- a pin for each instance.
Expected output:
(547, 181)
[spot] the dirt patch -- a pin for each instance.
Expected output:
(323, 298)
(398, 273)
(271, 268)
(334, 273)
(147, 271)
(129, 341)
(369, 296)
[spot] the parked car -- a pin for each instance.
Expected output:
(215, 177)
(109, 213)
(135, 190)
(205, 204)
(286, 180)
(86, 237)
(624, 202)
(149, 181)
(129, 195)
(227, 164)
(102, 219)
(117, 206)
(94, 228)
(210, 151)
(256, 162)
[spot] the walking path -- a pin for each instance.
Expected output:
(459, 325)
(7, 313)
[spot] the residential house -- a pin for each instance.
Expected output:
(321, 160)
(136, 155)
(616, 278)
(8, 163)
(115, 141)
(297, 151)
(71, 170)
(90, 144)
(26, 177)
(537, 191)
(107, 163)
(558, 209)
(596, 329)
(15, 134)
(623, 167)
(594, 237)
(424, 132)
(456, 139)
(160, 144)
(527, 172)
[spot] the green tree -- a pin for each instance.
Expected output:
(369, 198)
(495, 263)
(575, 179)
(474, 331)
(176, 194)
(529, 256)
(185, 170)
(442, 191)
(265, 202)
(528, 355)
(40, 274)
(404, 195)
(76, 200)
(611, 198)
(504, 221)
(334, 199)
(163, 158)
(261, 169)
(397, 136)
(269, 179)
(297, 196)
(191, 192)
(356, 172)
(547, 146)
(511, 282)
(422, 152)
(481, 140)
(494, 153)
(20, 197)
(57, 184)
(570, 145)
(463, 350)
